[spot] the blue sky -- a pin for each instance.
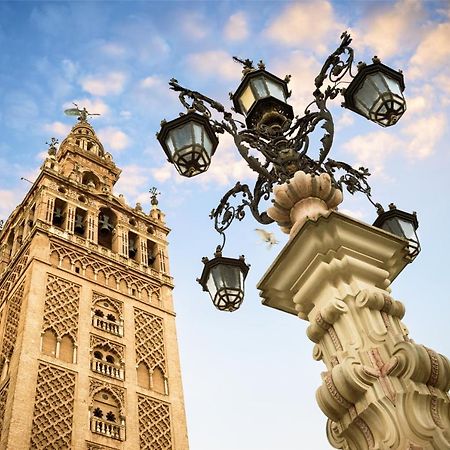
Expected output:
(249, 377)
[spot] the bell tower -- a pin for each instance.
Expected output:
(88, 348)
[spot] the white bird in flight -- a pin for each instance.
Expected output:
(267, 237)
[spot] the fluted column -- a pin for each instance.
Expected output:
(380, 390)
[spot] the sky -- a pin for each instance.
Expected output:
(249, 376)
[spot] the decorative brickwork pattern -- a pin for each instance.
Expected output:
(154, 424)
(3, 398)
(105, 268)
(53, 409)
(117, 392)
(10, 279)
(11, 326)
(149, 332)
(61, 307)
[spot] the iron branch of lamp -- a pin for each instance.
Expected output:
(275, 144)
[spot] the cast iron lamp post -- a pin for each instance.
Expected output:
(275, 144)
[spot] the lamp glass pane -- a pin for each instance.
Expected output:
(378, 81)
(211, 285)
(393, 226)
(207, 144)
(260, 88)
(393, 85)
(276, 90)
(367, 95)
(407, 228)
(182, 136)
(198, 133)
(247, 99)
(169, 144)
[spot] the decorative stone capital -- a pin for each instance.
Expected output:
(305, 197)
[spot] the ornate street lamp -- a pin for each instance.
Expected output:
(401, 224)
(224, 279)
(189, 143)
(261, 97)
(377, 93)
(275, 143)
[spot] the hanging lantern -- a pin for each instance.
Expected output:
(377, 93)
(189, 143)
(261, 97)
(224, 279)
(401, 224)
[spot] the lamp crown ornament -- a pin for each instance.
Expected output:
(275, 142)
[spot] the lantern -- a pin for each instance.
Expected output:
(224, 279)
(189, 143)
(261, 97)
(377, 93)
(401, 224)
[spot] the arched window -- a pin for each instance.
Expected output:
(98, 355)
(110, 359)
(107, 221)
(159, 384)
(80, 222)
(106, 362)
(66, 350)
(91, 180)
(49, 343)
(105, 411)
(59, 213)
(143, 376)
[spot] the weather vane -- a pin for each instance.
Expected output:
(81, 113)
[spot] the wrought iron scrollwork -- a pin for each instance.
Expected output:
(277, 152)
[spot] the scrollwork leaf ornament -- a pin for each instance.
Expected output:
(276, 151)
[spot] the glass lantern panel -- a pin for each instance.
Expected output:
(170, 145)
(211, 285)
(393, 85)
(407, 228)
(260, 88)
(207, 144)
(227, 276)
(198, 133)
(367, 94)
(182, 136)
(247, 99)
(378, 81)
(276, 90)
(393, 226)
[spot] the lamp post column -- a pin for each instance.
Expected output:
(381, 390)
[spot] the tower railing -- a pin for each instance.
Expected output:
(108, 369)
(107, 325)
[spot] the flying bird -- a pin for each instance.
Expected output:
(267, 237)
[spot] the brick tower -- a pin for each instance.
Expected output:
(88, 347)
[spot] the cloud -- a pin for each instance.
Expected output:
(194, 26)
(306, 24)
(433, 52)
(109, 84)
(133, 180)
(372, 150)
(96, 106)
(113, 49)
(236, 29)
(57, 128)
(151, 82)
(69, 68)
(344, 120)
(9, 200)
(423, 135)
(113, 138)
(393, 29)
(214, 63)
